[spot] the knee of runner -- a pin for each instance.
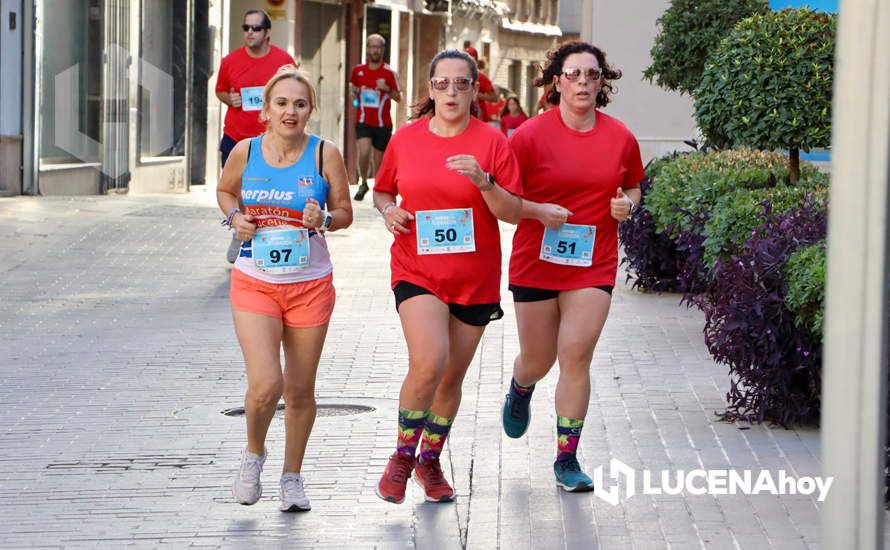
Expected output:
(575, 358)
(425, 377)
(265, 393)
(538, 364)
(300, 397)
(451, 384)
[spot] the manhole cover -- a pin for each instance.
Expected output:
(324, 410)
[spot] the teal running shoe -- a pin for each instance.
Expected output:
(570, 477)
(516, 414)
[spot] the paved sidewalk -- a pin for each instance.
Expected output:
(120, 355)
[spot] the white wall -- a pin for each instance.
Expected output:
(660, 120)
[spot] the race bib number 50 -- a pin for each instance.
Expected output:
(569, 245)
(445, 231)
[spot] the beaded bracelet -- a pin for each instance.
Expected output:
(228, 221)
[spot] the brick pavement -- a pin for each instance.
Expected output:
(120, 355)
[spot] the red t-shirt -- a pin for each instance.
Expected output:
(373, 103)
(494, 109)
(511, 122)
(485, 86)
(241, 72)
(580, 171)
(414, 168)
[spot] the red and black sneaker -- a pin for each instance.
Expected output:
(391, 486)
(435, 487)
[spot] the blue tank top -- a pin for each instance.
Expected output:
(277, 196)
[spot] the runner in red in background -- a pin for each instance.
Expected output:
(487, 92)
(374, 84)
(512, 115)
(239, 85)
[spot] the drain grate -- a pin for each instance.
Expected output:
(324, 410)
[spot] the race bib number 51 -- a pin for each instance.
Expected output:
(445, 231)
(569, 245)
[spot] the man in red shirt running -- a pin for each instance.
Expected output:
(374, 84)
(239, 85)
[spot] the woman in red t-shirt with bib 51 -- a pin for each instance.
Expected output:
(562, 269)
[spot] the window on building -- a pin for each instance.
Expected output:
(71, 82)
(163, 47)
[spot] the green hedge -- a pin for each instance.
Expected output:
(805, 297)
(733, 217)
(689, 187)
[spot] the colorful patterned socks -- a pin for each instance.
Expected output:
(435, 430)
(568, 432)
(410, 424)
(522, 391)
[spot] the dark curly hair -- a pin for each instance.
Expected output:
(556, 58)
(426, 106)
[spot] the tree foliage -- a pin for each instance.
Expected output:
(689, 31)
(769, 84)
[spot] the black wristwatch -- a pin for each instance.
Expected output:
(328, 220)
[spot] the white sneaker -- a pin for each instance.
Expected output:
(247, 488)
(234, 250)
(293, 496)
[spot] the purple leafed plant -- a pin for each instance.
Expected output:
(650, 256)
(774, 366)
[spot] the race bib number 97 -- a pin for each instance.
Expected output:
(569, 245)
(281, 250)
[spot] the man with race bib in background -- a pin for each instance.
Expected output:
(239, 85)
(374, 84)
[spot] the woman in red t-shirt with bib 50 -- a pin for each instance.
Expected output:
(456, 177)
(563, 268)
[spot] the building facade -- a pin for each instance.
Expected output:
(106, 96)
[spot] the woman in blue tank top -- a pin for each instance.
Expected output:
(294, 188)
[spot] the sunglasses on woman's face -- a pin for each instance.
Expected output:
(572, 74)
(461, 83)
(254, 28)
